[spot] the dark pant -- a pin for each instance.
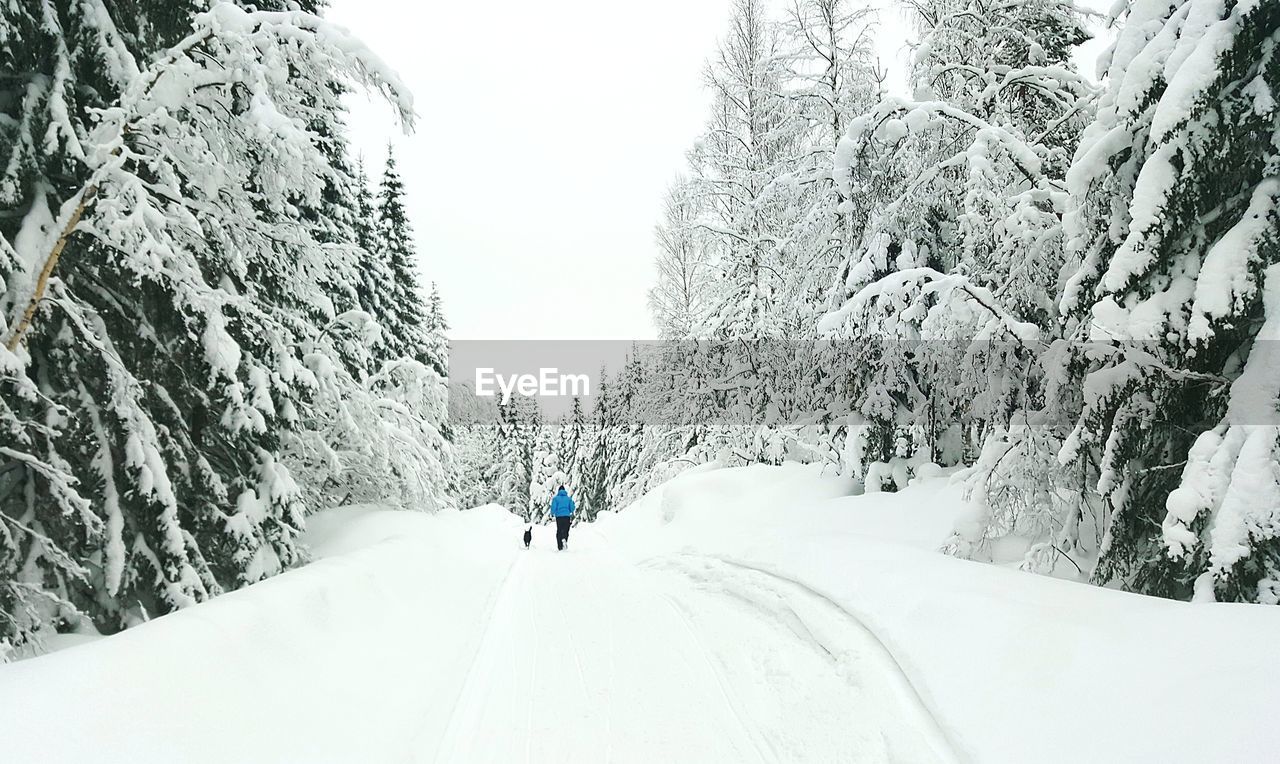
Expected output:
(562, 531)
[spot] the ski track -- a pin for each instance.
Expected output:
(588, 657)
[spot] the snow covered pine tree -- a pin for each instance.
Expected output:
(1175, 307)
(176, 317)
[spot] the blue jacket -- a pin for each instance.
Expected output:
(561, 504)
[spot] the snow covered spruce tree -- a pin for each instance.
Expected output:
(545, 473)
(374, 272)
(518, 423)
(1175, 307)
(474, 424)
(395, 420)
(404, 311)
(436, 353)
(177, 305)
(573, 434)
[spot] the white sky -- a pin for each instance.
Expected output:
(548, 131)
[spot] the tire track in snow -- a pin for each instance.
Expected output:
(936, 732)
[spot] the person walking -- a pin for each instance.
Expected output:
(562, 510)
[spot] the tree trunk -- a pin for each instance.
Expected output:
(42, 283)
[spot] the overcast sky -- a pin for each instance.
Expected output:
(547, 134)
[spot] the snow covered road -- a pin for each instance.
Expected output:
(587, 657)
(700, 624)
(434, 639)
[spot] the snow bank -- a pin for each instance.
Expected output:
(348, 659)
(1015, 667)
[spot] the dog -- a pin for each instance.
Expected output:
(528, 536)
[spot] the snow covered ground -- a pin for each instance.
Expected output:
(755, 614)
(1014, 667)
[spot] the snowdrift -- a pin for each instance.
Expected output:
(1015, 667)
(346, 659)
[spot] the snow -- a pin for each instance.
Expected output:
(756, 613)
(1147, 212)
(1008, 662)
(1264, 101)
(1142, 47)
(925, 291)
(893, 130)
(1204, 481)
(589, 658)
(1232, 475)
(1249, 505)
(1225, 283)
(918, 120)
(343, 660)
(1193, 65)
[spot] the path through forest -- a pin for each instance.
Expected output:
(701, 624)
(587, 657)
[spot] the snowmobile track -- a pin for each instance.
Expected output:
(941, 740)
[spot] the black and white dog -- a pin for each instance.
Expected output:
(528, 536)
